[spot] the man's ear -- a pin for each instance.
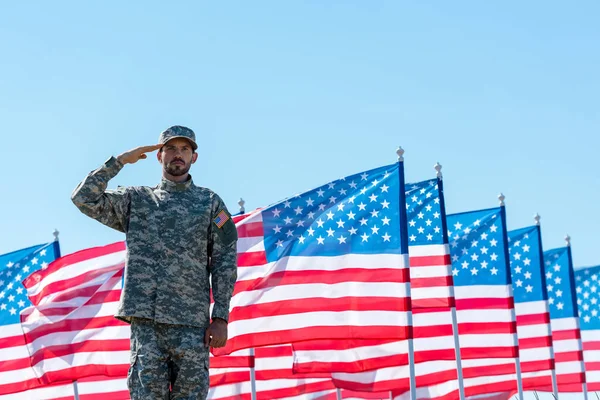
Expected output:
(194, 157)
(159, 155)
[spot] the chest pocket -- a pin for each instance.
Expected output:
(185, 224)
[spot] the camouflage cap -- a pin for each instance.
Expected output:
(178, 131)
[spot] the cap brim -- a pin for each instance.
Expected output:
(194, 145)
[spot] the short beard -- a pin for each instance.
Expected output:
(176, 170)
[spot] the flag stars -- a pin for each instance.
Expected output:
(525, 248)
(386, 221)
(288, 220)
(474, 271)
(373, 197)
(374, 213)
(13, 311)
(518, 270)
(330, 232)
(365, 237)
(386, 237)
(342, 239)
(320, 240)
(277, 229)
(329, 215)
(494, 271)
(340, 223)
(529, 288)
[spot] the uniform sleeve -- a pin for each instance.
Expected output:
(223, 254)
(110, 207)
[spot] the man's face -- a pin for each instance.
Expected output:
(176, 156)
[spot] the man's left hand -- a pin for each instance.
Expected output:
(216, 334)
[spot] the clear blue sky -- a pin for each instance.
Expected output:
(285, 96)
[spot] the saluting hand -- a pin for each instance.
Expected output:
(139, 153)
(216, 334)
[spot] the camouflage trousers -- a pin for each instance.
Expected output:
(167, 362)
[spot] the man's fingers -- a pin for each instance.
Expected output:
(147, 149)
(207, 338)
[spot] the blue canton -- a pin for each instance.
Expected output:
(14, 268)
(357, 214)
(587, 283)
(526, 265)
(477, 248)
(424, 213)
(560, 283)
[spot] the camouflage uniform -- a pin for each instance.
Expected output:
(177, 234)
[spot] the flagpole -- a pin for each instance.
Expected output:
(253, 376)
(572, 279)
(75, 390)
(553, 371)
(501, 198)
(404, 250)
(461, 384)
(338, 394)
(56, 244)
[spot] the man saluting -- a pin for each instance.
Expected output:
(178, 234)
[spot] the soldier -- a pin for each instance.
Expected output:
(177, 235)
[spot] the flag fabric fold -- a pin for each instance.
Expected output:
(531, 308)
(587, 281)
(564, 320)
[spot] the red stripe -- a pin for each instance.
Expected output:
(541, 383)
(471, 328)
(232, 362)
(532, 366)
(490, 370)
(88, 291)
(564, 380)
(74, 373)
(436, 378)
(485, 304)
(229, 378)
(80, 256)
(435, 355)
(533, 319)
(474, 353)
(400, 384)
(259, 339)
(438, 281)
(593, 387)
(281, 278)
(595, 345)
(434, 304)
(326, 344)
(592, 366)
(430, 261)
(73, 325)
(73, 282)
(507, 386)
(360, 365)
(99, 298)
(566, 334)
(251, 259)
(568, 356)
(534, 343)
(432, 331)
(250, 229)
(301, 306)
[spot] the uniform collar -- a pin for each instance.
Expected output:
(171, 186)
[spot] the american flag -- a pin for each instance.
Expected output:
(92, 388)
(587, 283)
(16, 373)
(331, 262)
(564, 320)
(531, 307)
(484, 301)
(383, 365)
(70, 329)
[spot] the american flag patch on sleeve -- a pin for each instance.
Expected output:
(221, 218)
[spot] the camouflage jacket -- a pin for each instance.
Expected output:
(178, 235)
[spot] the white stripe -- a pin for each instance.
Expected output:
(564, 324)
(310, 396)
(428, 250)
(103, 386)
(483, 362)
(492, 315)
(274, 384)
(250, 244)
(487, 340)
(318, 318)
(319, 290)
(17, 375)
(536, 374)
(432, 318)
(537, 354)
(104, 282)
(591, 356)
(564, 346)
(434, 343)
(349, 355)
(78, 269)
(430, 272)
(318, 263)
(222, 391)
(91, 311)
(378, 375)
(223, 371)
(592, 335)
(441, 292)
(85, 358)
(531, 307)
(533, 331)
(569, 367)
(482, 291)
(593, 376)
